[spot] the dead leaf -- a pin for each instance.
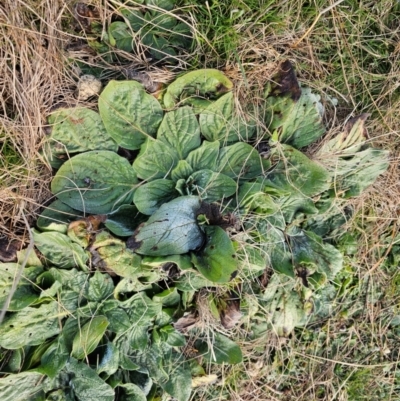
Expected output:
(186, 322)
(9, 249)
(285, 82)
(231, 315)
(204, 380)
(85, 14)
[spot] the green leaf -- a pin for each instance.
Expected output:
(239, 161)
(311, 253)
(89, 336)
(179, 384)
(118, 319)
(24, 294)
(120, 36)
(181, 171)
(155, 160)
(192, 281)
(95, 182)
(132, 392)
(216, 261)
(56, 217)
(172, 336)
(296, 122)
(169, 297)
(134, 18)
(24, 386)
(211, 186)
(219, 122)
(205, 156)
(123, 221)
(171, 230)
(101, 287)
(222, 350)
(87, 385)
(109, 361)
(129, 114)
(59, 250)
(295, 172)
(285, 309)
(55, 358)
(30, 326)
(77, 130)
(198, 84)
(182, 261)
(110, 254)
(150, 196)
(180, 130)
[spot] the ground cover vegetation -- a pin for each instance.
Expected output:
(230, 240)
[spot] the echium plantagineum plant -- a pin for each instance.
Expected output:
(194, 203)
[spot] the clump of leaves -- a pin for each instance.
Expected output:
(157, 27)
(126, 247)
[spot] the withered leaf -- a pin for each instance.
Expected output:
(285, 82)
(8, 250)
(186, 322)
(85, 14)
(231, 315)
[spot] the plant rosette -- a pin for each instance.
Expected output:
(128, 246)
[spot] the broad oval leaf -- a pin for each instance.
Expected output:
(223, 350)
(204, 157)
(59, 249)
(77, 130)
(155, 160)
(216, 261)
(124, 221)
(196, 84)
(56, 217)
(101, 287)
(24, 295)
(220, 122)
(30, 326)
(150, 196)
(22, 387)
(180, 130)
(211, 186)
(88, 337)
(86, 384)
(239, 161)
(182, 171)
(171, 230)
(295, 122)
(95, 182)
(129, 114)
(295, 173)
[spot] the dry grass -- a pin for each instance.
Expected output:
(33, 79)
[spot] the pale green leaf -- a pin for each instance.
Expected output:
(180, 130)
(211, 186)
(296, 122)
(109, 360)
(30, 326)
(182, 171)
(204, 157)
(24, 386)
(220, 122)
(88, 337)
(239, 161)
(219, 350)
(171, 230)
(87, 385)
(95, 182)
(77, 130)
(169, 297)
(155, 160)
(194, 85)
(59, 250)
(129, 114)
(101, 287)
(132, 392)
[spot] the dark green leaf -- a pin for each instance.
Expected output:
(204, 157)
(120, 36)
(123, 221)
(152, 195)
(216, 261)
(211, 186)
(101, 287)
(219, 349)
